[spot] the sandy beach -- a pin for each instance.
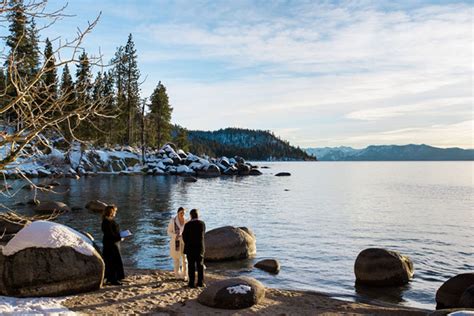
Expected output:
(158, 292)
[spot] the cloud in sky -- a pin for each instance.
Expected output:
(317, 73)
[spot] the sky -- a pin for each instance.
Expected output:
(316, 73)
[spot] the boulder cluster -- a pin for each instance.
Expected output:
(167, 160)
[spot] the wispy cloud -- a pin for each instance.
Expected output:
(318, 73)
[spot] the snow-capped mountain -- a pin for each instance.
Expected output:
(391, 153)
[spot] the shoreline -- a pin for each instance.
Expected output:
(158, 292)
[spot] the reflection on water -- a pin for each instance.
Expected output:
(314, 222)
(392, 294)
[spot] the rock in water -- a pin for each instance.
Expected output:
(449, 294)
(49, 259)
(230, 243)
(381, 267)
(233, 293)
(283, 174)
(51, 206)
(96, 206)
(255, 172)
(269, 265)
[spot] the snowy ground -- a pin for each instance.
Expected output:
(33, 306)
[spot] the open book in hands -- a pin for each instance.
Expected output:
(125, 233)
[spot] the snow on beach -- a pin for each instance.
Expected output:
(33, 306)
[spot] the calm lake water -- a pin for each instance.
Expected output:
(314, 222)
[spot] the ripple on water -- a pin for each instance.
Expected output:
(331, 212)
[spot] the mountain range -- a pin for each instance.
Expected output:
(391, 153)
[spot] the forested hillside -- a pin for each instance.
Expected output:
(250, 144)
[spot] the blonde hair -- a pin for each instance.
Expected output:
(109, 210)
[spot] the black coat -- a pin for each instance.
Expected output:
(111, 251)
(193, 237)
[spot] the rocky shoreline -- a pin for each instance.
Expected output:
(79, 161)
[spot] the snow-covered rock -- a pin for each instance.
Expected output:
(49, 259)
(46, 234)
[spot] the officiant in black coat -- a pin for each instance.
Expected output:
(111, 247)
(193, 237)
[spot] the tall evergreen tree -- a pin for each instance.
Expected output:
(160, 112)
(67, 87)
(50, 77)
(131, 85)
(118, 74)
(33, 58)
(83, 90)
(83, 84)
(67, 93)
(108, 93)
(22, 61)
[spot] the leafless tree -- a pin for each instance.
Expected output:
(35, 112)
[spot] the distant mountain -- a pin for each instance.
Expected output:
(391, 153)
(249, 144)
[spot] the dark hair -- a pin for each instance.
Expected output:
(109, 209)
(194, 213)
(180, 209)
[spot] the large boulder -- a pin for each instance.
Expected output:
(209, 171)
(49, 259)
(230, 243)
(269, 265)
(96, 206)
(244, 169)
(381, 267)
(449, 294)
(232, 293)
(51, 206)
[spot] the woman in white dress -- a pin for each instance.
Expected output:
(175, 231)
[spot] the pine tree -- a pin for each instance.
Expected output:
(67, 93)
(83, 84)
(161, 114)
(50, 77)
(132, 91)
(118, 74)
(67, 87)
(33, 48)
(22, 61)
(108, 93)
(83, 91)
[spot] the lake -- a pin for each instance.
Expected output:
(315, 222)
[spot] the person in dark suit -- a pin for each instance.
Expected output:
(193, 237)
(111, 247)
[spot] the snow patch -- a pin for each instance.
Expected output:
(29, 306)
(239, 289)
(45, 234)
(33, 306)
